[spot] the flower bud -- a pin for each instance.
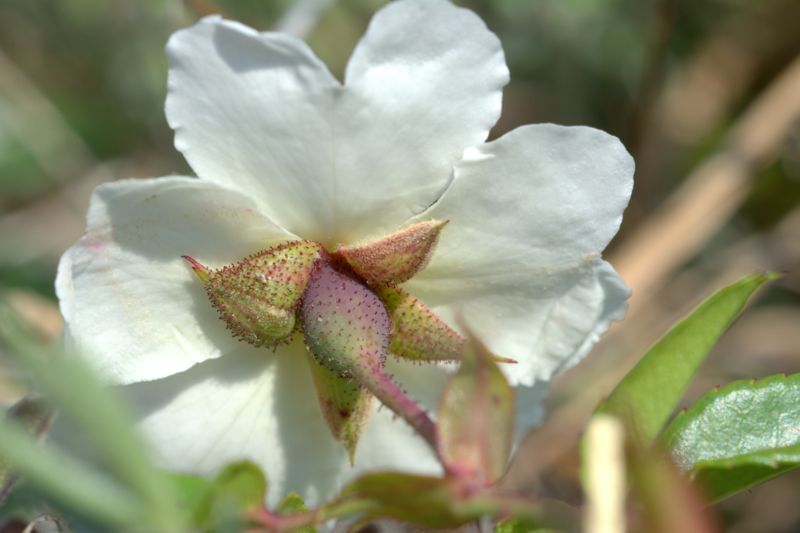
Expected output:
(347, 330)
(345, 325)
(257, 297)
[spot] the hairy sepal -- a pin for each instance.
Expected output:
(257, 297)
(345, 404)
(395, 258)
(416, 333)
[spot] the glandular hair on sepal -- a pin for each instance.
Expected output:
(395, 258)
(257, 297)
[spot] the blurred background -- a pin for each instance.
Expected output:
(705, 95)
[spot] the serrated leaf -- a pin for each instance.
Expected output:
(740, 435)
(476, 418)
(417, 334)
(293, 504)
(648, 394)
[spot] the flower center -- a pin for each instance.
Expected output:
(259, 297)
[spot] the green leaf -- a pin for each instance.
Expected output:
(293, 504)
(239, 488)
(244, 483)
(648, 394)
(417, 333)
(191, 492)
(514, 525)
(739, 435)
(421, 500)
(476, 418)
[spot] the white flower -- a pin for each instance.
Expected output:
(284, 151)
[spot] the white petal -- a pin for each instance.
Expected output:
(520, 260)
(261, 405)
(530, 408)
(131, 304)
(424, 83)
(253, 111)
(332, 163)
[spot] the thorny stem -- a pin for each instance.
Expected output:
(381, 384)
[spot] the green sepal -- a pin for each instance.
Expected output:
(739, 435)
(345, 405)
(476, 418)
(257, 296)
(416, 333)
(394, 258)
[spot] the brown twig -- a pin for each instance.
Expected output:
(711, 194)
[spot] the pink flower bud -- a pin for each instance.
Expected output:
(346, 326)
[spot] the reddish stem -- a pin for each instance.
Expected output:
(381, 384)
